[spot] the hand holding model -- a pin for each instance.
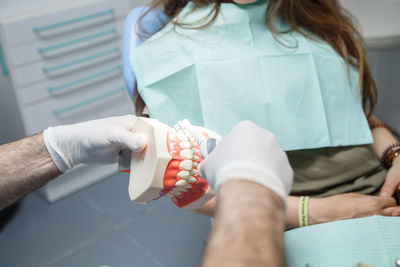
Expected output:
(97, 141)
(252, 153)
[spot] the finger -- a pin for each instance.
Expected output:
(387, 202)
(390, 211)
(390, 185)
(396, 212)
(133, 141)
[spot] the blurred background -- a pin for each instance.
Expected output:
(60, 63)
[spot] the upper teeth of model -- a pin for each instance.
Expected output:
(187, 154)
(188, 165)
(185, 145)
(182, 137)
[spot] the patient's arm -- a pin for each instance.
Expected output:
(383, 138)
(340, 207)
(208, 209)
(328, 209)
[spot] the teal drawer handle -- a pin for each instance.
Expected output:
(88, 101)
(3, 65)
(88, 78)
(78, 40)
(73, 21)
(105, 53)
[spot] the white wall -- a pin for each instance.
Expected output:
(386, 70)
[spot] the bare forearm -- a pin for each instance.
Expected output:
(292, 204)
(248, 227)
(382, 137)
(208, 209)
(25, 165)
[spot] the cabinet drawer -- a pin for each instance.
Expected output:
(56, 22)
(107, 99)
(57, 47)
(73, 84)
(53, 68)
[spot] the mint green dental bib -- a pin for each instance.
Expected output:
(235, 70)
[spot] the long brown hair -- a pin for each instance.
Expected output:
(325, 19)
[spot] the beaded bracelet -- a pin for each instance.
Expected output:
(303, 211)
(390, 154)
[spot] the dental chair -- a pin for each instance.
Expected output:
(374, 241)
(134, 34)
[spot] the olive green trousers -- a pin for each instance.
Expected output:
(329, 171)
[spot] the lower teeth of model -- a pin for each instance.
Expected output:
(191, 180)
(185, 145)
(180, 183)
(181, 186)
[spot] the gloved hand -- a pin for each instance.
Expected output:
(252, 153)
(97, 141)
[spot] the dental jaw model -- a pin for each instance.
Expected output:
(168, 166)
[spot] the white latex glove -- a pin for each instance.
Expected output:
(97, 141)
(252, 153)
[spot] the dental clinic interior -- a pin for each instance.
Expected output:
(65, 61)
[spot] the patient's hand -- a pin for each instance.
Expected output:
(392, 183)
(328, 209)
(351, 205)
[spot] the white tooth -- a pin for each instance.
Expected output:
(186, 164)
(187, 132)
(195, 158)
(183, 174)
(195, 164)
(180, 183)
(187, 186)
(195, 150)
(186, 153)
(191, 179)
(184, 190)
(186, 145)
(182, 137)
(193, 143)
(194, 172)
(192, 139)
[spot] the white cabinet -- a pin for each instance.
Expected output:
(62, 65)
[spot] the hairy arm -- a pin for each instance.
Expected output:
(249, 225)
(25, 165)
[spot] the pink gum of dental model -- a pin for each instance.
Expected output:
(168, 166)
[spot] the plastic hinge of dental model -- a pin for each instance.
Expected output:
(188, 166)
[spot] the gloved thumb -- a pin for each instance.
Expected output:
(133, 141)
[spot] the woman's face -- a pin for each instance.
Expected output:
(244, 2)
